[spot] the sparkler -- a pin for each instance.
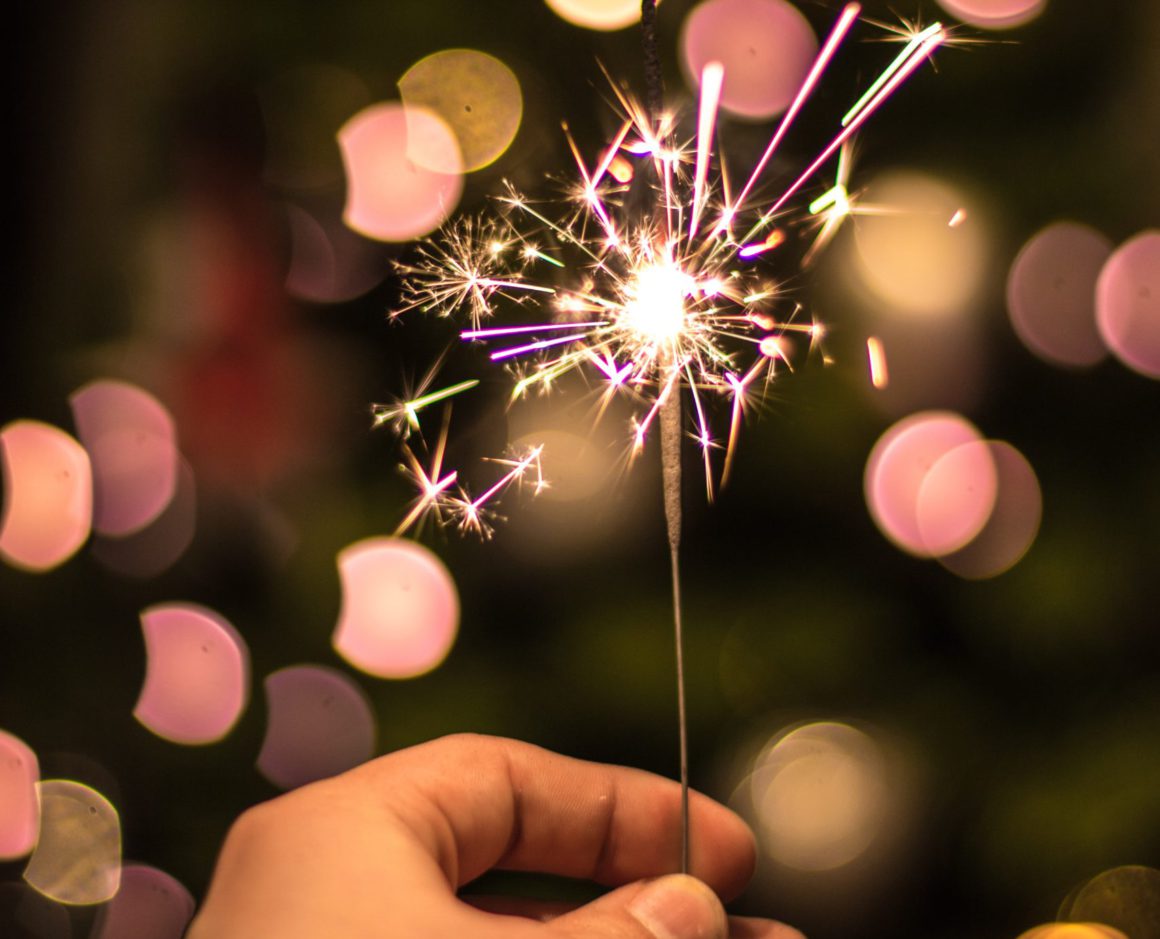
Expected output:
(648, 279)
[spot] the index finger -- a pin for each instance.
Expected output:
(475, 803)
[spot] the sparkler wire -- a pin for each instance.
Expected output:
(670, 425)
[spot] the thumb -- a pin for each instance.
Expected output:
(674, 907)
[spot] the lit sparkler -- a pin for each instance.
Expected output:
(651, 304)
(650, 279)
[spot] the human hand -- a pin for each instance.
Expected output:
(381, 850)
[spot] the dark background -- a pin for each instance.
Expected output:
(1029, 704)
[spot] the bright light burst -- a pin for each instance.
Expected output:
(649, 277)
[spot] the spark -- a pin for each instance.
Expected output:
(407, 412)
(437, 499)
(879, 376)
(475, 514)
(637, 280)
(430, 483)
(913, 44)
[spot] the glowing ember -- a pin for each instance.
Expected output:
(879, 375)
(656, 308)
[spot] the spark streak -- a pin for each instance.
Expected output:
(651, 297)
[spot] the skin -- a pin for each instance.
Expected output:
(380, 851)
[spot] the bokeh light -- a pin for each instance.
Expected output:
(909, 254)
(1124, 898)
(132, 443)
(589, 507)
(329, 263)
(19, 810)
(476, 95)
(604, 15)
(150, 904)
(1128, 303)
(400, 608)
(319, 724)
(818, 792)
(1072, 931)
(766, 47)
(1051, 292)
(994, 14)
(77, 859)
(1011, 528)
(897, 468)
(578, 466)
(302, 109)
(48, 495)
(931, 364)
(956, 498)
(391, 195)
(197, 674)
(161, 543)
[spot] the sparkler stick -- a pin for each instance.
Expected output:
(670, 406)
(671, 483)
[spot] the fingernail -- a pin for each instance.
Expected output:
(679, 907)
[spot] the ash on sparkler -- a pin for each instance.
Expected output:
(653, 300)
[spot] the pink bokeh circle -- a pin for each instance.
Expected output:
(956, 498)
(132, 441)
(197, 676)
(319, 724)
(898, 466)
(19, 808)
(994, 14)
(1051, 291)
(48, 495)
(766, 47)
(1128, 303)
(1011, 528)
(400, 608)
(391, 195)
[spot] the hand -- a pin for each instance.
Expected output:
(381, 850)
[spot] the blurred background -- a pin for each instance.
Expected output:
(932, 685)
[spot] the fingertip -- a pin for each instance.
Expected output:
(679, 907)
(748, 927)
(723, 847)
